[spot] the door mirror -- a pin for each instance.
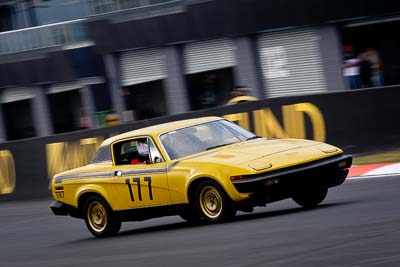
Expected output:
(157, 160)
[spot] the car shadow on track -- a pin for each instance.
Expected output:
(282, 212)
(237, 219)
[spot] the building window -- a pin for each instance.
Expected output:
(210, 89)
(18, 119)
(146, 100)
(377, 48)
(66, 111)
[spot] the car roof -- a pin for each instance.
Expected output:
(159, 128)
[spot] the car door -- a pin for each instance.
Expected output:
(140, 174)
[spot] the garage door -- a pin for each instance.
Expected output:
(16, 94)
(291, 63)
(142, 66)
(75, 85)
(209, 55)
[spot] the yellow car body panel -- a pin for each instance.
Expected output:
(73, 188)
(127, 187)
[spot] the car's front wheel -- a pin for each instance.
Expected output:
(311, 197)
(212, 203)
(190, 215)
(99, 218)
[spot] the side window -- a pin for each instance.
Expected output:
(155, 155)
(135, 151)
(103, 154)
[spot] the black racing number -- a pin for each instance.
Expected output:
(148, 179)
(137, 181)
(60, 194)
(130, 189)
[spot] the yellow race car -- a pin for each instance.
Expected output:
(204, 170)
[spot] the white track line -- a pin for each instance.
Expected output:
(372, 176)
(392, 168)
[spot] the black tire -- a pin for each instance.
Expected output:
(310, 198)
(190, 215)
(100, 218)
(212, 203)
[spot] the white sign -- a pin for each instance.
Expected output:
(277, 61)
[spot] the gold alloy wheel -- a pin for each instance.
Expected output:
(97, 216)
(210, 202)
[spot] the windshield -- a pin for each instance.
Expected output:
(202, 137)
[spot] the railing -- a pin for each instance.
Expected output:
(70, 32)
(57, 34)
(97, 7)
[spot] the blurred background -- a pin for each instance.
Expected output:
(74, 72)
(68, 65)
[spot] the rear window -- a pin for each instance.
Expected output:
(102, 154)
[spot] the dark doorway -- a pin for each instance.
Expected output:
(18, 120)
(210, 89)
(146, 100)
(66, 111)
(383, 38)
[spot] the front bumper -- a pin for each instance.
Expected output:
(326, 172)
(62, 209)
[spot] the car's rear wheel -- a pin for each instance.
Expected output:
(99, 218)
(212, 203)
(311, 197)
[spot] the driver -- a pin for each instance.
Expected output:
(143, 150)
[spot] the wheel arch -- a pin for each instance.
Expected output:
(225, 184)
(191, 189)
(84, 194)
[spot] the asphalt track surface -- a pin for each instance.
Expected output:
(357, 225)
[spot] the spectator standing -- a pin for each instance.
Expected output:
(365, 71)
(372, 57)
(351, 68)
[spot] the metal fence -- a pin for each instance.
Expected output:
(57, 34)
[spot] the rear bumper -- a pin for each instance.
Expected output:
(327, 172)
(62, 209)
